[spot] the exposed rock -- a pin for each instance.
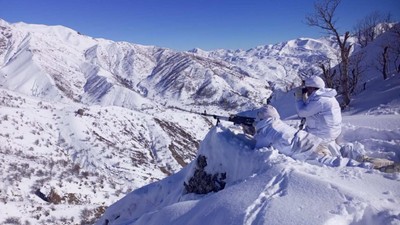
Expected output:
(202, 182)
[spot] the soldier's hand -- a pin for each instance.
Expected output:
(250, 130)
(298, 94)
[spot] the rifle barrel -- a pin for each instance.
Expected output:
(232, 118)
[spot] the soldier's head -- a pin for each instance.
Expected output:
(314, 83)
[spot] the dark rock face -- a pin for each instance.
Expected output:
(202, 182)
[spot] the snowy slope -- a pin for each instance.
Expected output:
(58, 63)
(85, 121)
(88, 159)
(265, 187)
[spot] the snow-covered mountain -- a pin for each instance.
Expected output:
(85, 121)
(55, 62)
(265, 187)
(261, 186)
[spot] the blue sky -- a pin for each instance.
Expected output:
(186, 24)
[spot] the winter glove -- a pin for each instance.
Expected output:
(298, 94)
(322, 150)
(250, 130)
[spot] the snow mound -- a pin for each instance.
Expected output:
(262, 187)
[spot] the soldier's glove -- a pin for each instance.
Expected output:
(250, 130)
(298, 94)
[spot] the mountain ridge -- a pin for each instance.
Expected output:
(90, 119)
(131, 70)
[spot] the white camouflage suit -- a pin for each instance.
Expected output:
(271, 131)
(317, 143)
(323, 114)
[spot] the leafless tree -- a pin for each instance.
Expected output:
(385, 62)
(396, 47)
(366, 30)
(324, 18)
(388, 60)
(357, 70)
(328, 73)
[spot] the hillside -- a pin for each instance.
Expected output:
(261, 186)
(85, 121)
(265, 187)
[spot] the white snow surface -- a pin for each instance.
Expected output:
(130, 150)
(266, 187)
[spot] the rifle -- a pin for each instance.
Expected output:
(237, 120)
(302, 123)
(301, 126)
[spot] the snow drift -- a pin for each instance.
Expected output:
(92, 119)
(263, 187)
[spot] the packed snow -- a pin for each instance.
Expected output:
(266, 187)
(91, 127)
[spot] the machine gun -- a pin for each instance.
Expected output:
(237, 120)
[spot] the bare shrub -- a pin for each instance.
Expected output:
(13, 220)
(54, 197)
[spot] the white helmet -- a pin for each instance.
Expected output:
(314, 81)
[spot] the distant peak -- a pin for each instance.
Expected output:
(3, 22)
(197, 50)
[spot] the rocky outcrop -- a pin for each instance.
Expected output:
(202, 182)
